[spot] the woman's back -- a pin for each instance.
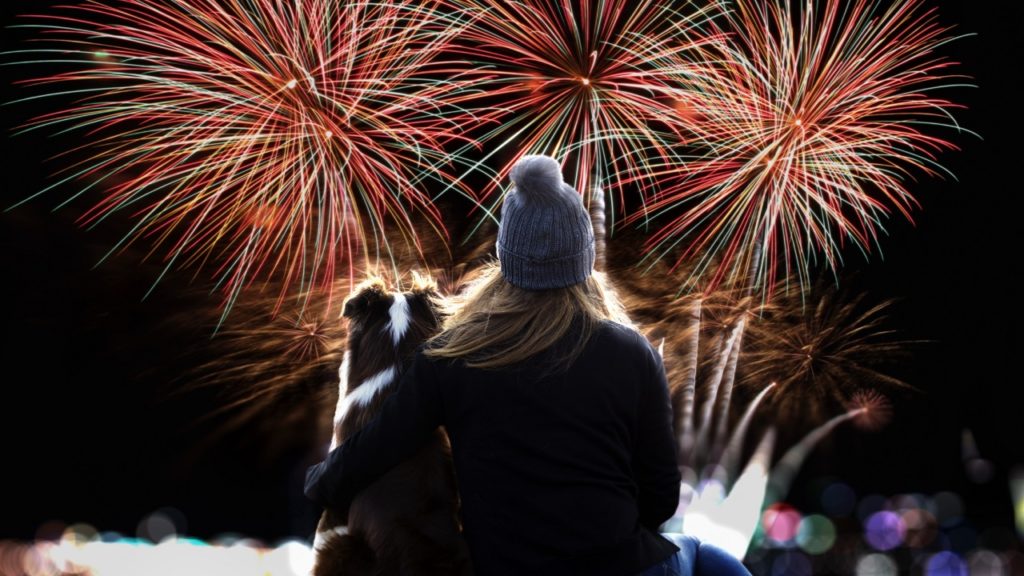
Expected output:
(571, 471)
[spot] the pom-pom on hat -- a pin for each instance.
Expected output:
(545, 238)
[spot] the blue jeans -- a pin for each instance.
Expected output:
(696, 559)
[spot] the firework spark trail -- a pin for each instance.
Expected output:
(805, 134)
(261, 138)
(725, 369)
(731, 455)
(689, 384)
(574, 80)
(723, 393)
(786, 468)
(598, 220)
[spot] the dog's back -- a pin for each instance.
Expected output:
(407, 521)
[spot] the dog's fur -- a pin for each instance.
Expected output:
(406, 522)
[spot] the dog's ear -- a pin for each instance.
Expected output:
(369, 291)
(426, 302)
(423, 285)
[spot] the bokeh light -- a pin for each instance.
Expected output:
(946, 563)
(876, 565)
(903, 502)
(979, 470)
(816, 534)
(81, 551)
(780, 523)
(884, 530)
(962, 538)
(52, 530)
(66, 556)
(838, 500)
(900, 534)
(948, 508)
(985, 563)
(36, 561)
(80, 534)
(921, 527)
(161, 525)
(110, 536)
(904, 534)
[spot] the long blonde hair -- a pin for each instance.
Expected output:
(492, 323)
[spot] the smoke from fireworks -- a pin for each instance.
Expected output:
(259, 138)
(805, 134)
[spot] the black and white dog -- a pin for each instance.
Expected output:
(407, 522)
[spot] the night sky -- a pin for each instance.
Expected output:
(89, 434)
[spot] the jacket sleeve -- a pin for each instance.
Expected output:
(655, 463)
(406, 421)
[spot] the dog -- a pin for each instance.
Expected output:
(407, 521)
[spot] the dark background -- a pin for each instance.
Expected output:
(90, 436)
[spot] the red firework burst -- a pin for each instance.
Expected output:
(806, 130)
(874, 409)
(262, 138)
(580, 81)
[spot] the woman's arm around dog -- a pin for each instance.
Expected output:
(407, 420)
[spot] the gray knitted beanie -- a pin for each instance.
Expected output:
(545, 239)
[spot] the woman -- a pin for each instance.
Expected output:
(557, 410)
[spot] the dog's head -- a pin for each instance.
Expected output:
(385, 327)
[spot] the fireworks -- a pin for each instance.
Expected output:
(263, 139)
(806, 132)
(576, 81)
(822, 357)
(873, 409)
(265, 375)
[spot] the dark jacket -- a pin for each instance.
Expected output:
(567, 473)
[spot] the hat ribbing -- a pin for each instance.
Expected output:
(545, 238)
